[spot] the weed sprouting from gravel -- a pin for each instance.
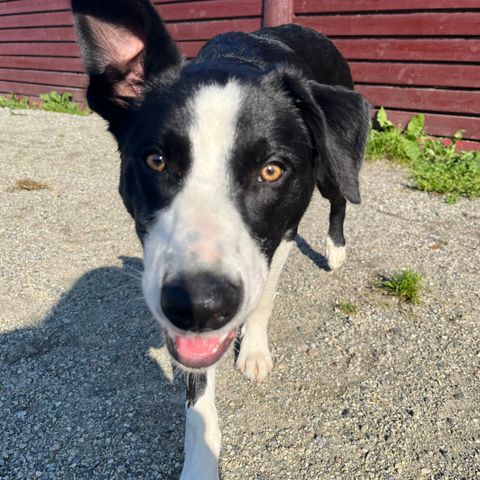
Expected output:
(405, 285)
(435, 166)
(61, 103)
(14, 102)
(50, 102)
(347, 308)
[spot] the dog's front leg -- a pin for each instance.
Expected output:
(254, 359)
(202, 434)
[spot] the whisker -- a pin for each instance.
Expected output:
(135, 300)
(127, 286)
(133, 269)
(133, 275)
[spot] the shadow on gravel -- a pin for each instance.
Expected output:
(317, 258)
(80, 396)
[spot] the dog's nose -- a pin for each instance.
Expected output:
(201, 302)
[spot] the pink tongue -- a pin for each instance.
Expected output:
(196, 346)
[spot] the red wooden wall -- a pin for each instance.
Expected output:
(407, 55)
(38, 53)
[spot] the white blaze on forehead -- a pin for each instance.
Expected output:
(213, 133)
(204, 206)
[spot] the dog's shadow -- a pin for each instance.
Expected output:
(318, 259)
(83, 397)
(80, 394)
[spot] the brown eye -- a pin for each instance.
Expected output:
(156, 162)
(271, 173)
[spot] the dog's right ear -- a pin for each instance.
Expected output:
(338, 121)
(124, 44)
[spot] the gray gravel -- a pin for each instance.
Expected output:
(86, 387)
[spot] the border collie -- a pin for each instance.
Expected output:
(219, 160)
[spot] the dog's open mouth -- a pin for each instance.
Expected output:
(199, 351)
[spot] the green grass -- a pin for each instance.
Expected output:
(14, 102)
(347, 308)
(405, 285)
(435, 166)
(443, 170)
(50, 102)
(62, 103)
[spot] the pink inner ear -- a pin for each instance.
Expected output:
(122, 50)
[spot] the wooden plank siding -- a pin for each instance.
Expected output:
(38, 52)
(413, 56)
(410, 56)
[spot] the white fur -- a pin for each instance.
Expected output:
(254, 359)
(335, 254)
(202, 230)
(202, 436)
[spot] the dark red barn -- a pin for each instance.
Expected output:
(409, 56)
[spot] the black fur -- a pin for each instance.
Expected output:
(196, 386)
(299, 108)
(132, 18)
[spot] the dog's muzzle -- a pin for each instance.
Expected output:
(199, 304)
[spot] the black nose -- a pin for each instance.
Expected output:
(200, 302)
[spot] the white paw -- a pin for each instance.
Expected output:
(199, 473)
(200, 462)
(254, 359)
(335, 255)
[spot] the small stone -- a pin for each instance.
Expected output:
(319, 440)
(444, 454)
(303, 347)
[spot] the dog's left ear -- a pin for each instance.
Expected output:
(124, 44)
(338, 121)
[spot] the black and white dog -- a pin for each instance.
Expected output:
(220, 157)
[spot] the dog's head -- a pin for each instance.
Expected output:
(219, 162)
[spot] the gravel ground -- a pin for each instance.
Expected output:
(87, 390)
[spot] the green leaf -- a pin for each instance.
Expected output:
(382, 119)
(412, 149)
(415, 126)
(458, 136)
